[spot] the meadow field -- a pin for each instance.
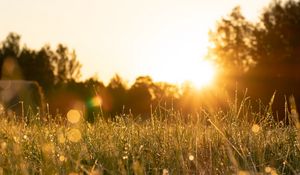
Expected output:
(237, 141)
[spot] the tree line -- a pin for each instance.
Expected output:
(263, 57)
(57, 71)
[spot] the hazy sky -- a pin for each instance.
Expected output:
(129, 37)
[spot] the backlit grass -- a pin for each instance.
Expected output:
(237, 141)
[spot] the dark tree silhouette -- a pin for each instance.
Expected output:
(166, 95)
(55, 71)
(10, 50)
(232, 43)
(117, 91)
(268, 52)
(11, 46)
(45, 66)
(36, 66)
(66, 66)
(140, 96)
(277, 51)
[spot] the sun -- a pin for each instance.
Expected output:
(199, 73)
(202, 74)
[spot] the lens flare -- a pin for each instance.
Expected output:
(95, 101)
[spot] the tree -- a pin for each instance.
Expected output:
(66, 66)
(232, 43)
(36, 66)
(45, 66)
(278, 41)
(10, 47)
(269, 50)
(278, 50)
(117, 92)
(140, 95)
(9, 51)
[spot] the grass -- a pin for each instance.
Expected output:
(236, 141)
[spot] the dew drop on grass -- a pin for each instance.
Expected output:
(62, 158)
(191, 157)
(256, 128)
(268, 169)
(73, 116)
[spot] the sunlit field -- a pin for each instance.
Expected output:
(156, 87)
(237, 141)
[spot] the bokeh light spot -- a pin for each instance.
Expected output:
(74, 135)
(61, 138)
(73, 116)
(48, 148)
(268, 169)
(165, 172)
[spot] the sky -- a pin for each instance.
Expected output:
(160, 38)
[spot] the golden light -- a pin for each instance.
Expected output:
(256, 128)
(202, 74)
(73, 116)
(95, 101)
(74, 135)
(48, 148)
(62, 158)
(61, 138)
(199, 73)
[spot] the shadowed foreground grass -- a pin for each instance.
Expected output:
(236, 141)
